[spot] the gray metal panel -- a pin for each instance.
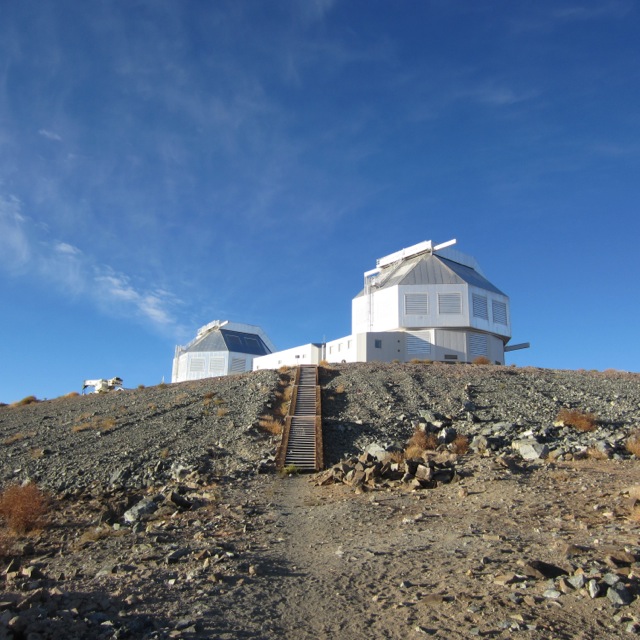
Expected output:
(434, 269)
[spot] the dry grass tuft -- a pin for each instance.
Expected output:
(284, 369)
(36, 453)
(271, 425)
(164, 453)
(97, 424)
(222, 411)
(633, 444)
(460, 445)
(96, 533)
(6, 545)
(596, 454)
(339, 389)
(395, 456)
(577, 419)
(425, 441)
(481, 360)
(24, 508)
(25, 401)
(16, 437)
(413, 452)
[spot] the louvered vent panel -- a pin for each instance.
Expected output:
(216, 366)
(449, 303)
(480, 307)
(478, 345)
(499, 312)
(416, 303)
(238, 365)
(196, 365)
(417, 346)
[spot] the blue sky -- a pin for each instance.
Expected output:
(167, 163)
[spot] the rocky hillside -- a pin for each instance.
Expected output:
(166, 519)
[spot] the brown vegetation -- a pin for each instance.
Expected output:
(25, 401)
(577, 419)
(460, 445)
(23, 508)
(271, 425)
(633, 444)
(97, 424)
(481, 360)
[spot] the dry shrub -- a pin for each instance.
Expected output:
(25, 401)
(16, 437)
(222, 411)
(287, 393)
(97, 424)
(6, 545)
(595, 454)
(23, 507)
(425, 441)
(633, 444)
(413, 452)
(481, 360)
(95, 533)
(164, 453)
(460, 445)
(36, 453)
(271, 425)
(339, 388)
(209, 395)
(395, 456)
(577, 419)
(284, 369)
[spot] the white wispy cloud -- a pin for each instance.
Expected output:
(25, 252)
(50, 135)
(15, 250)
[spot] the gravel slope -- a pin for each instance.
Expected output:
(218, 550)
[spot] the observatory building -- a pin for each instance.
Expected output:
(425, 302)
(220, 348)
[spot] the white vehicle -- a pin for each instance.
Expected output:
(102, 385)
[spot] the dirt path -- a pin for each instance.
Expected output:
(446, 563)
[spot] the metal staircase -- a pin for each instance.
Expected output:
(301, 444)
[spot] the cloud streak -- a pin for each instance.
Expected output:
(24, 253)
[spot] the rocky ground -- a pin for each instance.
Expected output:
(162, 527)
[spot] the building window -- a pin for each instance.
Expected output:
(416, 304)
(480, 309)
(378, 344)
(450, 356)
(499, 312)
(449, 303)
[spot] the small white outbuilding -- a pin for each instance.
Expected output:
(220, 348)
